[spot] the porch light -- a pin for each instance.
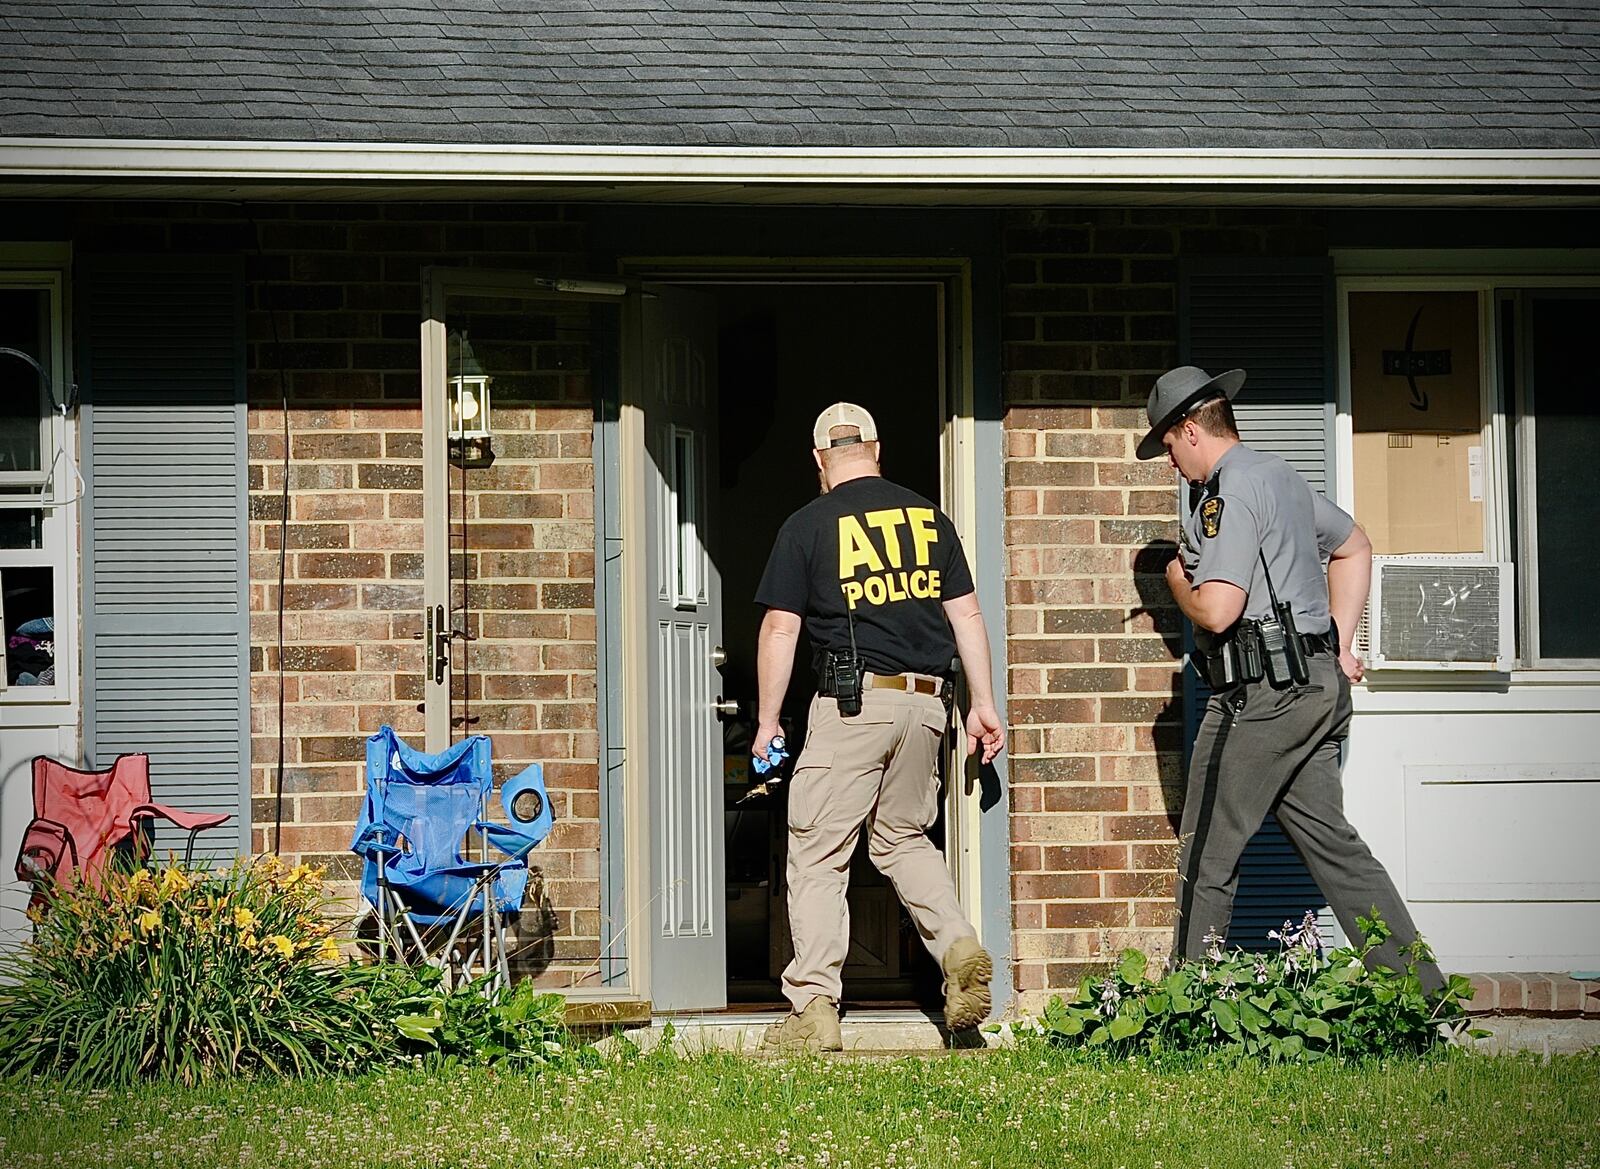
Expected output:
(468, 388)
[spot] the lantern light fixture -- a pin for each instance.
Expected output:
(471, 433)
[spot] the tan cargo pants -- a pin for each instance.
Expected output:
(878, 768)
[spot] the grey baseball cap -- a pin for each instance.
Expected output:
(1178, 391)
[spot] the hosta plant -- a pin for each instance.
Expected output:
(1296, 1005)
(477, 1023)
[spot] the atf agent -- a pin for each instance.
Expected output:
(1249, 577)
(880, 581)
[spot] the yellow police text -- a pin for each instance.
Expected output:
(877, 541)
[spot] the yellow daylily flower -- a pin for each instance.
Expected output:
(150, 921)
(142, 888)
(329, 951)
(279, 943)
(174, 881)
(243, 918)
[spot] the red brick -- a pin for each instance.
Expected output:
(1051, 710)
(1084, 914)
(339, 565)
(1141, 886)
(1094, 798)
(316, 658)
(1085, 857)
(1053, 886)
(1053, 770)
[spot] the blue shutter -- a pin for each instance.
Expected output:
(1275, 320)
(166, 613)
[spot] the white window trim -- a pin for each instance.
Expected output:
(47, 266)
(1486, 273)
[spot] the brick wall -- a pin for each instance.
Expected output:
(341, 288)
(334, 299)
(1092, 635)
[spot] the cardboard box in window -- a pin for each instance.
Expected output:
(1414, 362)
(1419, 492)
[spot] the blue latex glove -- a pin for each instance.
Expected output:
(775, 757)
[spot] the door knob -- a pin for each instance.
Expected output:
(726, 707)
(719, 657)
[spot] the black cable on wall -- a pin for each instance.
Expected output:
(283, 537)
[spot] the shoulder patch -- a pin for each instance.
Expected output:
(1211, 516)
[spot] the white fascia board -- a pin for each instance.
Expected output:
(96, 158)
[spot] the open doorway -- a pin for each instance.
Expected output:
(786, 351)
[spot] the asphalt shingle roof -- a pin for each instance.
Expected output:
(989, 73)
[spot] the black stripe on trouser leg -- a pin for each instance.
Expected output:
(1202, 828)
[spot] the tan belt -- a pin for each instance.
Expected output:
(916, 683)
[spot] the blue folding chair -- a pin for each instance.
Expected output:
(424, 818)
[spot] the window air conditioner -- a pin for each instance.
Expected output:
(1438, 612)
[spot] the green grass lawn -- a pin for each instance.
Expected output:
(1013, 1108)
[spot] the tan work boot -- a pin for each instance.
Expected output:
(814, 1029)
(967, 970)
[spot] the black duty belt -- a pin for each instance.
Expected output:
(1317, 643)
(1239, 661)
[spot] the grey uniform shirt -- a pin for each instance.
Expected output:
(1256, 503)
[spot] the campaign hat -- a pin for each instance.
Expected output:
(1177, 392)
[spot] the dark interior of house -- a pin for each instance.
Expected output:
(785, 353)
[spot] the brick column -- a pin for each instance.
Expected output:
(1093, 638)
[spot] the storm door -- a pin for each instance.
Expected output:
(677, 367)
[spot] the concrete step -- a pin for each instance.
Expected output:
(863, 1032)
(1541, 1034)
(883, 1034)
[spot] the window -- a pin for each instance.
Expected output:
(37, 491)
(1559, 479)
(1472, 408)
(688, 589)
(1416, 420)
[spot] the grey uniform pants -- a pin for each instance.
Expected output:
(1262, 750)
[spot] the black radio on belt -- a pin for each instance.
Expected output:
(842, 672)
(1283, 654)
(841, 680)
(1270, 648)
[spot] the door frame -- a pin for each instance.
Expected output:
(959, 474)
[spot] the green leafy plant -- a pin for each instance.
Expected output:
(1295, 1005)
(185, 974)
(475, 1023)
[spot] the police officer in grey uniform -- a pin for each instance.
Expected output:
(1249, 577)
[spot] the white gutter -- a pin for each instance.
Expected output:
(98, 158)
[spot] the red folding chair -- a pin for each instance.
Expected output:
(82, 818)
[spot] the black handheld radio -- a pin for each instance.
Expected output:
(1284, 655)
(842, 671)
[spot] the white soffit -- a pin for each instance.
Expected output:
(106, 159)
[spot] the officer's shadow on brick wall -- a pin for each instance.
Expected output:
(1162, 712)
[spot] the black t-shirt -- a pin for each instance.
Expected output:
(885, 552)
